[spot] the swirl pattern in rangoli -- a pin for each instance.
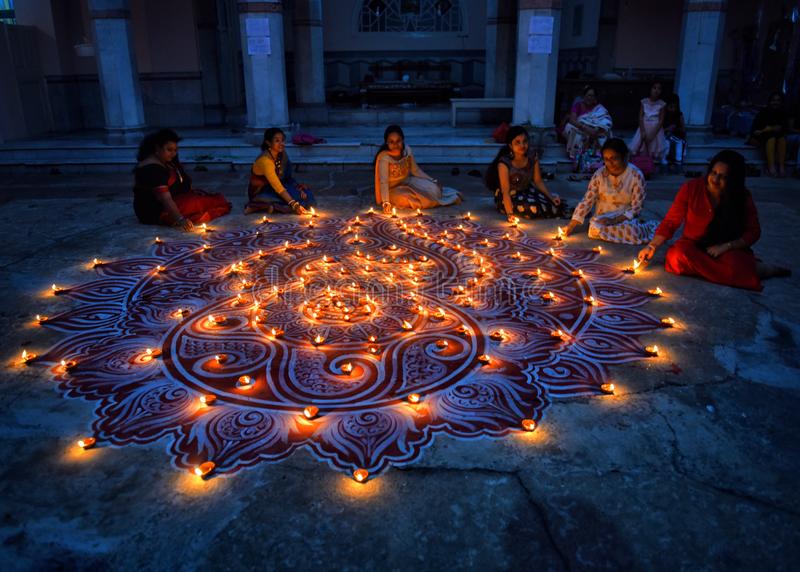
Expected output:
(356, 318)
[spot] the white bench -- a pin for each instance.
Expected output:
(478, 103)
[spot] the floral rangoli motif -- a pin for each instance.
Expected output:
(357, 338)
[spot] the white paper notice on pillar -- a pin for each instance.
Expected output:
(258, 46)
(541, 26)
(540, 35)
(257, 26)
(540, 44)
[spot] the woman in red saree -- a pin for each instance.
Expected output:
(163, 193)
(720, 226)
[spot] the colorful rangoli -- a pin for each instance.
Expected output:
(358, 338)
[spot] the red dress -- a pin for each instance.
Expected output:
(152, 178)
(693, 209)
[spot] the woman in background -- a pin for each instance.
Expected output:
(770, 127)
(588, 126)
(649, 138)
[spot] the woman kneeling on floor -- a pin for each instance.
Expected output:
(271, 187)
(163, 193)
(400, 183)
(516, 180)
(616, 193)
(720, 225)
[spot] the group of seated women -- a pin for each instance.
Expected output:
(717, 211)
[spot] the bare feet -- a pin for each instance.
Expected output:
(765, 271)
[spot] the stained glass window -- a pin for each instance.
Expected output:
(7, 12)
(411, 16)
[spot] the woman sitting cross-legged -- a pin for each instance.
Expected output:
(588, 127)
(616, 193)
(399, 182)
(163, 193)
(271, 187)
(516, 180)
(720, 224)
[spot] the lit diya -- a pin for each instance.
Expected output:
(360, 475)
(667, 322)
(87, 442)
(311, 411)
(633, 267)
(245, 382)
(528, 424)
(414, 398)
(205, 469)
(651, 350)
(498, 335)
(656, 291)
(607, 388)
(208, 399)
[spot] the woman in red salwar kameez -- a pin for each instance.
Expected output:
(720, 225)
(162, 191)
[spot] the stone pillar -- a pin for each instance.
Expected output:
(116, 67)
(696, 78)
(264, 65)
(501, 18)
(535, 86)
(309, 64)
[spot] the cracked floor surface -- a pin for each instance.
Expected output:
(692, 466)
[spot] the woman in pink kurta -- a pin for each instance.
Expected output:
(720, 224)
(649, 139)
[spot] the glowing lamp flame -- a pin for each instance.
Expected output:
(347, 368)
(245, 382)
(607, 388)
(442, 344)
(560, 234)
(656, 291)
(498, 335)
(310, 412)
(484, 359)
(87, 442)
(407, 325)
(528, 424)
(652, 350)
(208, 399)
(590, 300)
(360, 475)
(204, 469)
(318, 339)
(668, 322)
(414, 397)
(27, 356)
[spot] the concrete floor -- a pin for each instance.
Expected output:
(692, 466)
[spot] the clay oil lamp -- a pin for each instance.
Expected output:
(485, 359)
(607, 388)
(86, 443)
(633, 267)
(442, 344)
(203, 470)
(528, 424)
(318, 340)
(651, 350)
(310, 412)
(590, 301)
(245, 382)
(667, 322)
(347, 368)
(414, 398)
(208, 399)
(656, 292)
(361, 475)
(498, 335)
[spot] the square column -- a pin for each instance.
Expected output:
(261, 25)
(701, 43)
(537, 62)
(501, 19)
(309, 64)
(116, 67)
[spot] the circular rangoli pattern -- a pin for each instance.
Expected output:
(388, 330)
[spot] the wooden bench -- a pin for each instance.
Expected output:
(478, 103)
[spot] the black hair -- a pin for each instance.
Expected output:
(492, 178)
(587, 88)
(730, 216)
(268, 135)
(154, 140)
(617, 145)
(673, 98)
(386, 132)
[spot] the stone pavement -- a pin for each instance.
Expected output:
(691, 466)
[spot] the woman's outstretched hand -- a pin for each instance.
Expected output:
(717, 250)
(571, 227)
(646, 254)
